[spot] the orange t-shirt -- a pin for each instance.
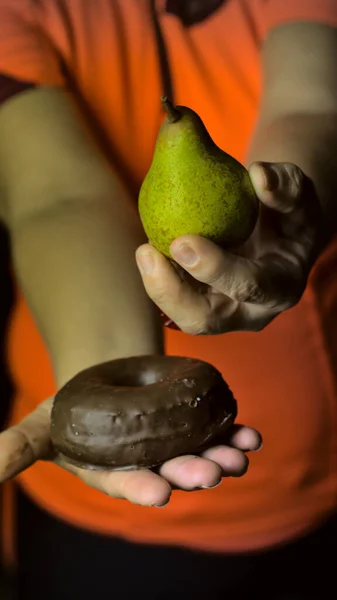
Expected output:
(283, 377)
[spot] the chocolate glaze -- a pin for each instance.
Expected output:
(140, 411)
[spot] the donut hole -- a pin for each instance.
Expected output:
(138, 379)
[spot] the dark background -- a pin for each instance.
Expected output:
(6, 298)
(5, 304)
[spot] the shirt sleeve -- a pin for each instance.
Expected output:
(271, 13)
(27, 53)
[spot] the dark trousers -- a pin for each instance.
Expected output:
(60, 562)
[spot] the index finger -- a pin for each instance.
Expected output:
(25, 443)
(28, 441)
(271, 281)
(140, 486)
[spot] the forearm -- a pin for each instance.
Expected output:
(309, 141)
(75, 262)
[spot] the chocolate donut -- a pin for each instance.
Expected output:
(140, 411)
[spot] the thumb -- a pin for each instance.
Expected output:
(25, 443)
(278, 185)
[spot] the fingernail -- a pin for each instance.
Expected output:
(161, 505)
(145, 262)
(210, 487)
(185, 255)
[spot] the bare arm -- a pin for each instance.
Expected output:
(74, 232)
(298, 116)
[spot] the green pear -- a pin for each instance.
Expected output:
(194, 187)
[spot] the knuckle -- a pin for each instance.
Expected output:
(108, 486)
(96, 480)
(26, 444)
(158, 295)
(296, 179)
(195, 328)
(86, 476)
(213, 325)
(215, 276)
(208, 324)
(217, 326)
(249, 291)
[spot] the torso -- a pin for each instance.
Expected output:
(282, 377)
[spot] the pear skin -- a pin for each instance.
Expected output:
(194, 187)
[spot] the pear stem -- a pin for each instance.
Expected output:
(173, 114)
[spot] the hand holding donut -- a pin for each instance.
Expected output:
(244, 290)
(29, 441)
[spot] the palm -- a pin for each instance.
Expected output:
(29, 441)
